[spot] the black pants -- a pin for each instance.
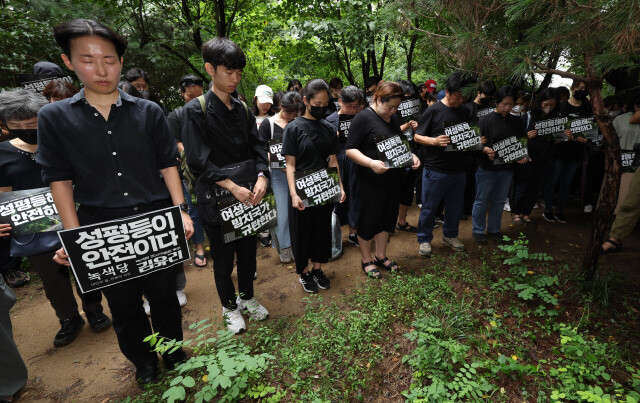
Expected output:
(310, 235)
(471, 165)
(529, 181)
(223, 255)
(408, 187)
(595, 174)
(130, 322)
(57, 288)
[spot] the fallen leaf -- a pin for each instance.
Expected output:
(514, 357)
(493, 323)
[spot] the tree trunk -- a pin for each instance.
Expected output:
(412, 47)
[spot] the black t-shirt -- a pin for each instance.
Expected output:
(264, 132)
(432, 125)
(364, 127)
(173, 120)
(572, 151)
(311, 142)
(540, 147)
(19, 169)
(495, 128)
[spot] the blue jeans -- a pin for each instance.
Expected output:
(198, 230)
(492, 188)
(437, 186)
(562, 176)
(281, 192)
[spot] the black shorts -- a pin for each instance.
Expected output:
(378, 209)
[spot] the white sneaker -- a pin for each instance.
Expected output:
(588, 208)
(253, 308)
(233, 320)
(182, 298)
(425, 249)
(147, 308)
(453, 242)
(419, 205)
(507, 206)
(285, 255)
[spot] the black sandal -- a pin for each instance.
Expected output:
(202, 259)
(406, 227)
(617, 247)
(373, 273)
(392, 267)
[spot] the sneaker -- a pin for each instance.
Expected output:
(98, 321)
(285, 255)
(69, 329)
(479, 238)
(425, 249)
(253, 308)
(182, 298)
(308, 283)
(419, 205)
(588, 208)
(548, 215)
(453, 242)
(353, 238)
(233, 319)
(560, 218)
(507, 206)
(440, 219)
(265, 240)
(147, 308)
(537, 205)
(321, 280)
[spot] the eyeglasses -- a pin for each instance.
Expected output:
(190, 81)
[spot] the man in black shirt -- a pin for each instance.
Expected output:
(444, 171)
(224, 134)
(114, 155)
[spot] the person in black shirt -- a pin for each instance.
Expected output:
(493, 181)
(379, 188)
(310, 143)
(568, 154)
(444, 171)
(219, 139)
(114, 155)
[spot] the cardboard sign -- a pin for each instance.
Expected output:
(276, 159)
(484, 112)
(582, 127)
(464, 137)
(511, 149)
(240, 221)
(552, 129)
(627, 161)
(394, 151)
(337, 105)
(318, 187)
(120, 250)
(29, 211)
(409, 110)
(344, 123)
(37, 82)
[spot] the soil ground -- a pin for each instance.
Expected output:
(92, 369)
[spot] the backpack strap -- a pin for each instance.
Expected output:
(271, 125)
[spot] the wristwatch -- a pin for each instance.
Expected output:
(184, 207)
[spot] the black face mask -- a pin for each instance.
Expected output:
(318, 112)
(580, 95)
(486, 102)
(29, 136)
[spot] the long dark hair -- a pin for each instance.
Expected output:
(536, 107)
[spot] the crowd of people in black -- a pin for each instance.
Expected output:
(112, 150)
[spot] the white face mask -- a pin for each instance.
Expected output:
(517, 109)
(613, 114)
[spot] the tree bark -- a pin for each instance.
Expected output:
(412, 47)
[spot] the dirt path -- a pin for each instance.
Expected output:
(92, 369)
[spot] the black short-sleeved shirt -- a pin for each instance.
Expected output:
(310, 155)
(173, 120)
(18, 168)
(113, 163)
(572, 151)
(365, 126)
(540, 147)
(432, 125)
(264, 132)
(495, 128)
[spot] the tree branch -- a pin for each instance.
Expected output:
(542, 69)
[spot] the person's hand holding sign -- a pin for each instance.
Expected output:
(242, 194)
(4, 230)
(259, 190)
(61, 257)
(490, 153)
(297, 203)
(442, 141)
(531, 134)
(378, 166)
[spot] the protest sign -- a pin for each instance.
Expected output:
(394, 151)
(511, 149)
(276, 160)
(368, 99)
(29, 211)
(318, 187)
(627, 161)
(464, 137)
(337, 105)
(120, 250)
(552, 129)
(582, 127)
(240, 220)
(37, 82)
(409, 110)
(344, 123)
(484, 112)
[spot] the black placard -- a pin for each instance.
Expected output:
(409, 110)
(318, 187)
(464, 137)
(484, 112)
(120, 250)
(344, 123)
(240, 220)
(511, 149)
(627, 161)
(276, 159)
(582, 127)
(29, 211)
(37, 82)
(552, 129)
(394, 151)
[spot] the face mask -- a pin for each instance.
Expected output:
(318, 112)
(613, 114)
(580, 95)
(517, 109)
(485, 102)
(29, 136)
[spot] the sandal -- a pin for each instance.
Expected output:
(516, 220)
(202, 258)
(373, 273)
(392, 266)
(16, 278)
(617, 247)
(527, 220)
(406, 227)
